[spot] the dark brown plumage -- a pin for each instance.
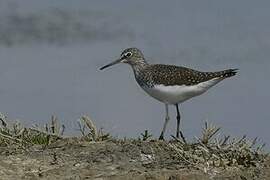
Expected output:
(176, 75)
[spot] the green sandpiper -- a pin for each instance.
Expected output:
(169, 84)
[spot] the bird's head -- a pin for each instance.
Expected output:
(130, 56)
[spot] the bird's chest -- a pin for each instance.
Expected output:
(144, 79)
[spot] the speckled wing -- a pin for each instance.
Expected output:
(170, 75)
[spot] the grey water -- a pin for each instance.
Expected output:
(50, 53)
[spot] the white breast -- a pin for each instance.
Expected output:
(177, 94)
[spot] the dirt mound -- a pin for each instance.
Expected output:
(36, 153)
(74, 158)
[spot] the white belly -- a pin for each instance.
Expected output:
(177, 94)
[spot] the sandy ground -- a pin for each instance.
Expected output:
(114, 159)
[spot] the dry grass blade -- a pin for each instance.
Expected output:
(62, 130)
(89, 123)
(89, 130)
(81, 127)
(204, 153)
(55, 129)
(220, 152)
(182, 154)
(208, 132)
(225, 140)
(10, 137)
(3, 120)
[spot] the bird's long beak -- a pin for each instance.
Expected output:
(112, 63)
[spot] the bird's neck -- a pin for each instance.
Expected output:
(139, 66)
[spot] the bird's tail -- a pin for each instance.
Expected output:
(226, 73)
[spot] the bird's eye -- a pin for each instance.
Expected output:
(128, 54)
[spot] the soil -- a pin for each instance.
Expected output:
(74, 158)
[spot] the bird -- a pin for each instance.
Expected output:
(169, 84)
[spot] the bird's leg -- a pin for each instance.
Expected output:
(178, 121)
(167, 118)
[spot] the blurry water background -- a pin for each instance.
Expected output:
(50, 52)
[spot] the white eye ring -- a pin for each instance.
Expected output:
(128, 54)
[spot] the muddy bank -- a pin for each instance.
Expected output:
(75, 158)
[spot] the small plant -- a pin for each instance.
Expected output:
(210, 151)
(146, 135)
(89, 130)
(52, 128)
(208, 132)
(50, 133)
(17, 134)
(10, 134)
